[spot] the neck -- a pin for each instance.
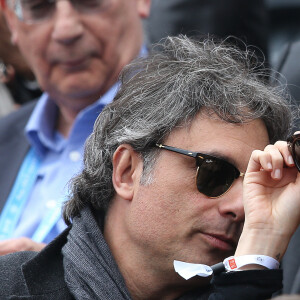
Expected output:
(145, 275)
(65, 121)
(68, 111)
(70, 106)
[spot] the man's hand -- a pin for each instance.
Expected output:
(19, 244)
(271, 196)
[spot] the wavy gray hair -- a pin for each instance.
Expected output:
(168, 89)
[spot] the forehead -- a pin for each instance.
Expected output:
(209, 134)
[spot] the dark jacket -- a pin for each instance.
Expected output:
(13, 148)
(28, 275)
(40, 276)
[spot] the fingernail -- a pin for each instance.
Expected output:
(290, 160)
(277, 173)
(269, 165)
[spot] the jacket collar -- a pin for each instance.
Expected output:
(44, 273)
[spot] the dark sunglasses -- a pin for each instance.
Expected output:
(294, 148)
(214, 175)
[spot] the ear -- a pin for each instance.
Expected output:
(143, 7)
(127, 168)
(11, 20)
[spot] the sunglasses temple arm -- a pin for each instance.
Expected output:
(177, 150)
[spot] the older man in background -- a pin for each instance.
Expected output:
(76, 50)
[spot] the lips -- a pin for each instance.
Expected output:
(73, 63)
(70, 61)
(221, 242)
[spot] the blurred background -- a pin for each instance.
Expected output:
(17, 83)
(269, 26)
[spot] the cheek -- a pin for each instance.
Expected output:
(113, 46)
(36, 55)
(165, 212)
(153, 216)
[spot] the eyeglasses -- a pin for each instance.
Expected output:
(294, 148)
(3, 69)
(214, 175)
(36, 11)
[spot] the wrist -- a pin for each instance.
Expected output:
(262, 242)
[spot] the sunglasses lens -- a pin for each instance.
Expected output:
(215, 177)
(296, 151)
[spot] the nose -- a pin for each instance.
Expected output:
(231, 203)
(67, 26)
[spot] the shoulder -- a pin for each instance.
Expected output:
(293, 51)
(11, 275)
(289, 64)
(16, 120)
(35, 273)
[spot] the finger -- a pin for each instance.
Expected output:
(283, 148)
(269, 160)
(19, 244)
(7, 246)
(277, 160)
(260, 160)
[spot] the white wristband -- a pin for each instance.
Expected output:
(233, 263)
(189, 270)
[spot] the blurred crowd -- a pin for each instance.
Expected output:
(17, 82)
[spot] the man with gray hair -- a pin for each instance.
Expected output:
(179, 175)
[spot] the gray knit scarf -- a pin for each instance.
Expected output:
(90, 270)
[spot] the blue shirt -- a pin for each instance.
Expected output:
(60, 159)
